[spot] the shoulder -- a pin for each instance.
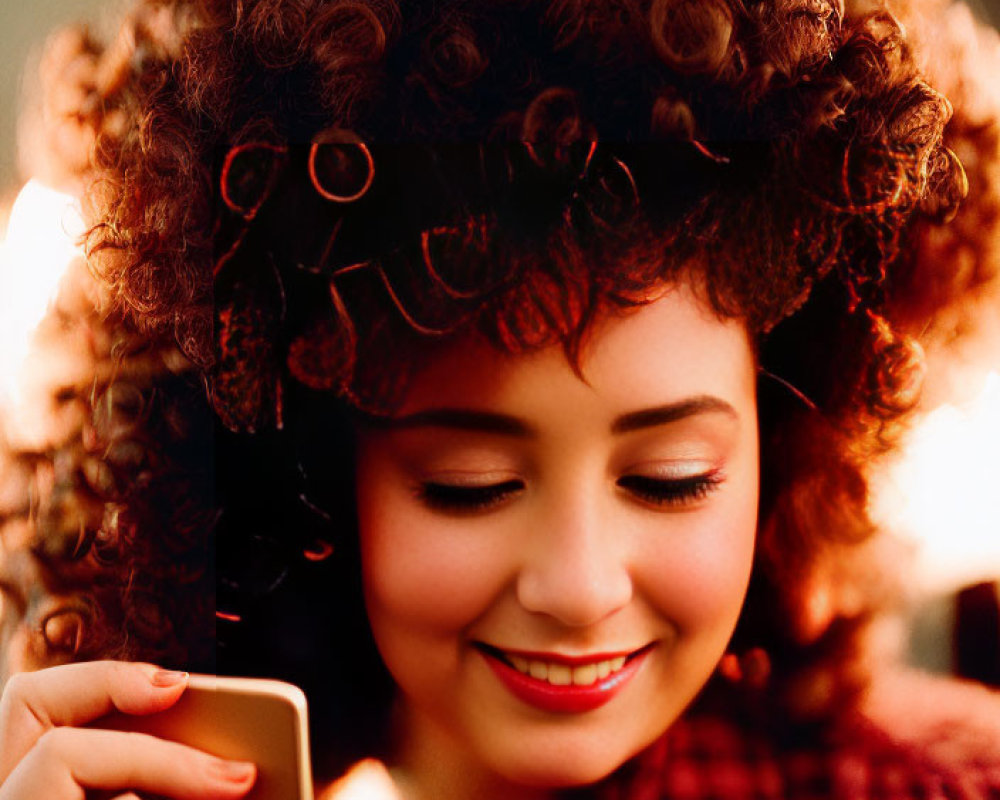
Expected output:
(916, 737)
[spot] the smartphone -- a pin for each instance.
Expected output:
(249, 719)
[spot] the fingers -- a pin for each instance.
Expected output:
(75, 694)
(63, 762)
(366, 780)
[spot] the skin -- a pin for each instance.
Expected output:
(575, 557)
(44, 751)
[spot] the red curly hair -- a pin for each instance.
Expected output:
(309, 195)
(105, 513)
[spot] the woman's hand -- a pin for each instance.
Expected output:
(366, 780)
(44, 754)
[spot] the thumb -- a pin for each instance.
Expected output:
(366, 780)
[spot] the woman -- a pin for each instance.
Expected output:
(527, 380)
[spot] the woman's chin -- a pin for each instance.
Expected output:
(566, 775)
(563, 765)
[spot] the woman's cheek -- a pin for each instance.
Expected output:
(425, 570)
(695, 570)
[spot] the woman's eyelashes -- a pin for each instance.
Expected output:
(468, 497)
(671, 492)
(679, 492)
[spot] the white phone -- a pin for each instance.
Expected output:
(246, 719)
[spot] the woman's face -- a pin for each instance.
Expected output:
(553, 564)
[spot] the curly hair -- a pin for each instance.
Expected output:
(105, 515)
(960, 55)
(310, 195)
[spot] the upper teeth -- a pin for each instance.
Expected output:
(563, 674)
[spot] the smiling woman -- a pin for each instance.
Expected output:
(574, 524)
(568, 329)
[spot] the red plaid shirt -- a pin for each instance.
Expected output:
(712, 758)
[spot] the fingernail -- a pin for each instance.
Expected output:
(168, 677)
(232, 771)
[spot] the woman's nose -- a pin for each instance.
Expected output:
(576, 567)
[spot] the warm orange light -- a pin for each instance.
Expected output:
(367, 780)
(42, 239)
(943, 492)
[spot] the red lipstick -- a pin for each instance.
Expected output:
(569, 699)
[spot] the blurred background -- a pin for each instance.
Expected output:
(23, 30)
(940, 499)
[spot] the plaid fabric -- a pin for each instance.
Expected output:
(710, 758)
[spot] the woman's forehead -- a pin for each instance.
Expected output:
(671, 347)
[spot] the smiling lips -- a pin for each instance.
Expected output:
(560, 684)
(565, 674)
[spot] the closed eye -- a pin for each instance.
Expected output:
(461, 498)
(671, 492)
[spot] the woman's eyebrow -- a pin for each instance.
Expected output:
(463, 419)
(467, 419)
(672, 412)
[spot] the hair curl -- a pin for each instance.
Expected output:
(106, 514)
(261, 168)
(960, 55)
